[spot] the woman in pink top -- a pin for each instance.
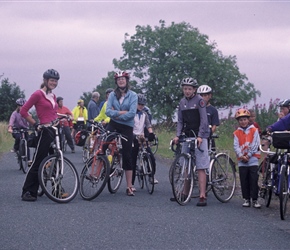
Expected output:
(46, 106)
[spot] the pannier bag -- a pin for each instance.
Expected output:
(281, 140)
(80, 138)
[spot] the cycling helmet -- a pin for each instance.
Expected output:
(141, 99)
(284, 103)
(120, 74)
(20, 101)
(59, 99)
(189, 81)
(51, 73)
(242, 113)
(109, 90)
(204, 89)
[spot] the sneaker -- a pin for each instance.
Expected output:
(64, 195)
(73, 151)
(155, 181)
(29, 163)
(256, 204)
(247, 203)
(202, 202)
(28, 197)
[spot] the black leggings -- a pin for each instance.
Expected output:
(31, 183)
(127, 131)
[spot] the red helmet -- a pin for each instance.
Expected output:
(121, 74)
(242, 113)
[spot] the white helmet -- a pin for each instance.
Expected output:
(204, 89)
(189, 81)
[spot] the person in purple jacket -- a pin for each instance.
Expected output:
(46, 106)
(18, 122)
(281, 125)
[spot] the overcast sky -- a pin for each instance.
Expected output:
(80, 39)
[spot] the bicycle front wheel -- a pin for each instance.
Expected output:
(59, 186)
(223, 177)
(182, 179)
(116, 174)
(283, 192)
(148, 173)
(94, 177)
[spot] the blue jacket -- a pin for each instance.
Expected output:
(281, 125)
(129, 104)
(93, 110)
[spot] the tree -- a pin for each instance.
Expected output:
(161, 57)
(9, 93)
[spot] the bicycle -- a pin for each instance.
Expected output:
(222, 174)
(95, 133)
(23, 153)
(267, 171)
(57, 175)
(105, 166)
(281, 141)
(144, 169)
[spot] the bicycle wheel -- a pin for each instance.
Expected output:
(264, 181)
(86, 153)
(139, 173)
(182, 179)
(148, 173)
(116, 174)
(223, 177)
(154, 145)
(94, 177)
(59, 186)
(23, 161)
(283, 192)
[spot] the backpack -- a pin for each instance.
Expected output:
(81, 137)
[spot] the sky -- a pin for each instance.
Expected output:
(80, 39)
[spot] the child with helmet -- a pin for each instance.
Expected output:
(141, 121)
(246, 147)
(18, 122)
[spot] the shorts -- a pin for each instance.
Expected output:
(202, 158)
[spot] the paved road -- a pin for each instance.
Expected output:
(140, 222)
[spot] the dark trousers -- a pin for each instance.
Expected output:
(31, 183)
(127, 131)
(68, 137)
(249, 182)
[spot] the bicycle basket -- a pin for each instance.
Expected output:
(32, 140)
(80, 138)
(281, 140)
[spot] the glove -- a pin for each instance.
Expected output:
(151, 137)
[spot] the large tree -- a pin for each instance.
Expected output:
(9, 93)
(159, 58)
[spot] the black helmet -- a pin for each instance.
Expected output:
(51, 73)
(59, 99)
(284, 103)
(20, 101)
(141, 99)
(189, 81)
(109, 90)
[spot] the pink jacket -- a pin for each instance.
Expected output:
(45, 105)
